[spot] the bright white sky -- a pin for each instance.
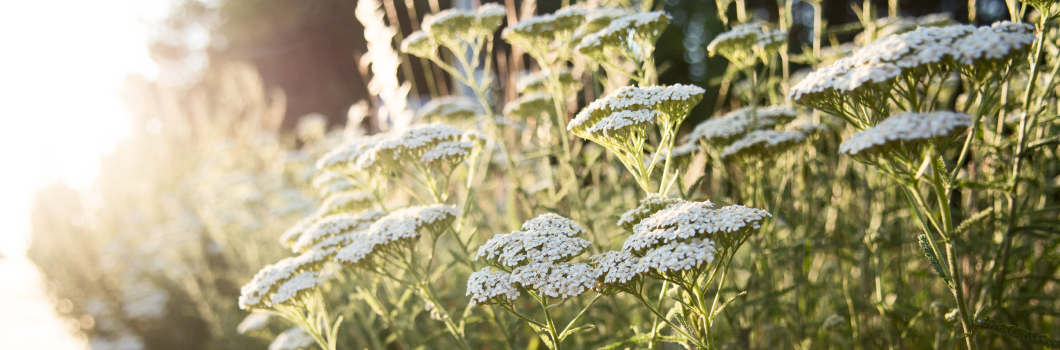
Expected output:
(61, 64)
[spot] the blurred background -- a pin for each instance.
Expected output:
(151, 147)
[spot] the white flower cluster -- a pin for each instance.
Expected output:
(552, 224)
(292, 339)
(486, 286)
(340, 157)
(539, 32)
(639, 30)
(295, 286)
(269, 278)
(742, 41)
(678, 256)
(341, 227)
(399, 226)
(555, 280)
(453, 28)
(618, 122)
(344, 202)
(450, 107)
(905, 127)
(540, 255)
(617, 267)
(734, 125)
(647, 206)
(447, 153)
(548, 238)
(769, 42)
(692, 220)
(530, 105)
(671, 102)
(386, 152)
(329, 183)
(886, 59)
(451, 24)
(763, 142)
(287, 238)
(600, 17)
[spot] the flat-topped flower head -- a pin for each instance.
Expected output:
(488, 18)
(398, 228)
(678, 256)
(447, 154)
(600, 17)
(560, 280)
(550, 224)
(737, 44)
(694, 220)
(762, 143)
(269, 278)
(734, 125)
(339, 158)
(295, 287)
(335, 225)
(905, 128)
(769, 42)
(539, 32)
(549, 238)
(344, 202)
(993, 45)
(490, 287)
(647, 206)
(537, 82)
(619, 127)
(637, 31)
(404, 146)
(325, 179)
(448, 25)
(420, 44)
(449, 108)
(671, 102)
(329, 183)
(972, 51)
(530, 105)
(616, 269)
(292, 339)
(291, 235)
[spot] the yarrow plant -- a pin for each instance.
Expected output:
(551, 192)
